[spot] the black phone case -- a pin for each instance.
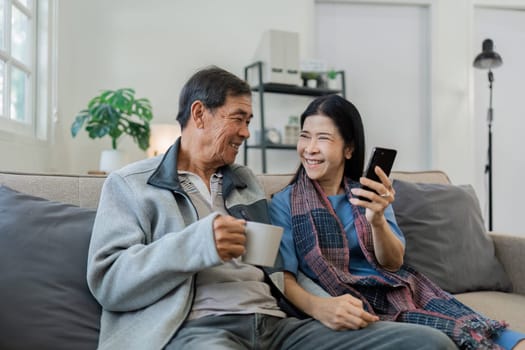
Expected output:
(382, 157)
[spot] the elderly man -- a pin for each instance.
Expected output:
(164, 255)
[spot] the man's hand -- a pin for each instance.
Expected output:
(229, 235)
(343, 312)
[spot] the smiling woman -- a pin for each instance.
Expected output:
(354, 249)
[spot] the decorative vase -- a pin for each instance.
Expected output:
(111, 160)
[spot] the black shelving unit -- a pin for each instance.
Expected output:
(261, 88)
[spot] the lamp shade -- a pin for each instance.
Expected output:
(162, 136)
(488, 59)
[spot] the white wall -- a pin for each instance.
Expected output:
(154, 46)
(506, 28)
(20, 153)
(387, 72)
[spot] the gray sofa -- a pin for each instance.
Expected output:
(45, 228)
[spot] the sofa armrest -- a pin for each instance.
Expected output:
(510, 251)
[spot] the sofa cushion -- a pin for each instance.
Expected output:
(446, 238)
(44, 299)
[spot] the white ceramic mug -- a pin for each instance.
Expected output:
(262, 243)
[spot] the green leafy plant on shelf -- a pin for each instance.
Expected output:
(310, 75)
(331, 81)
(115, 113)
(331, 74)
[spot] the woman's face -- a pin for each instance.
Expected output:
(323, 152)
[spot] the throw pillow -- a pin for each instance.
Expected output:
(445, 237)
(44, 298)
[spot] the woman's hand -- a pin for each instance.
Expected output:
(342, 312)
(388, 248)
(379, 201)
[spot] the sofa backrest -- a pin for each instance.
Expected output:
(274, 182)
(84, 190)
(81, 190)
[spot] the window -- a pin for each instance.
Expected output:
(21, 50)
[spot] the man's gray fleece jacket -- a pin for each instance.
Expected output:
(148, 243)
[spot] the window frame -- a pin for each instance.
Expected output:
(39, 89)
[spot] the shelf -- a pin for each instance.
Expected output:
(273, 146)
(295, 89)
(261, 143)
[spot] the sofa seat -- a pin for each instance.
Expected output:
(497, 305)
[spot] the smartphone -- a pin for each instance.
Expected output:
(383, 158)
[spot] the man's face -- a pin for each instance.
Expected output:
(227, 128)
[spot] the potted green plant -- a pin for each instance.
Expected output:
(310, 79)
(331, 76)
(115, 113)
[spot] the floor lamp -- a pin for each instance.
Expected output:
(489, 59)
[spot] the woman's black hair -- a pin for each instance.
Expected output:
(348, 121)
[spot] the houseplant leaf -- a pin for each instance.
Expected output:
(115, 113)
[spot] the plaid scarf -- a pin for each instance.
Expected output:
(403, 296)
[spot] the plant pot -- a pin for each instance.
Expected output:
(333, 84)
(112, 160)
(311, 83)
